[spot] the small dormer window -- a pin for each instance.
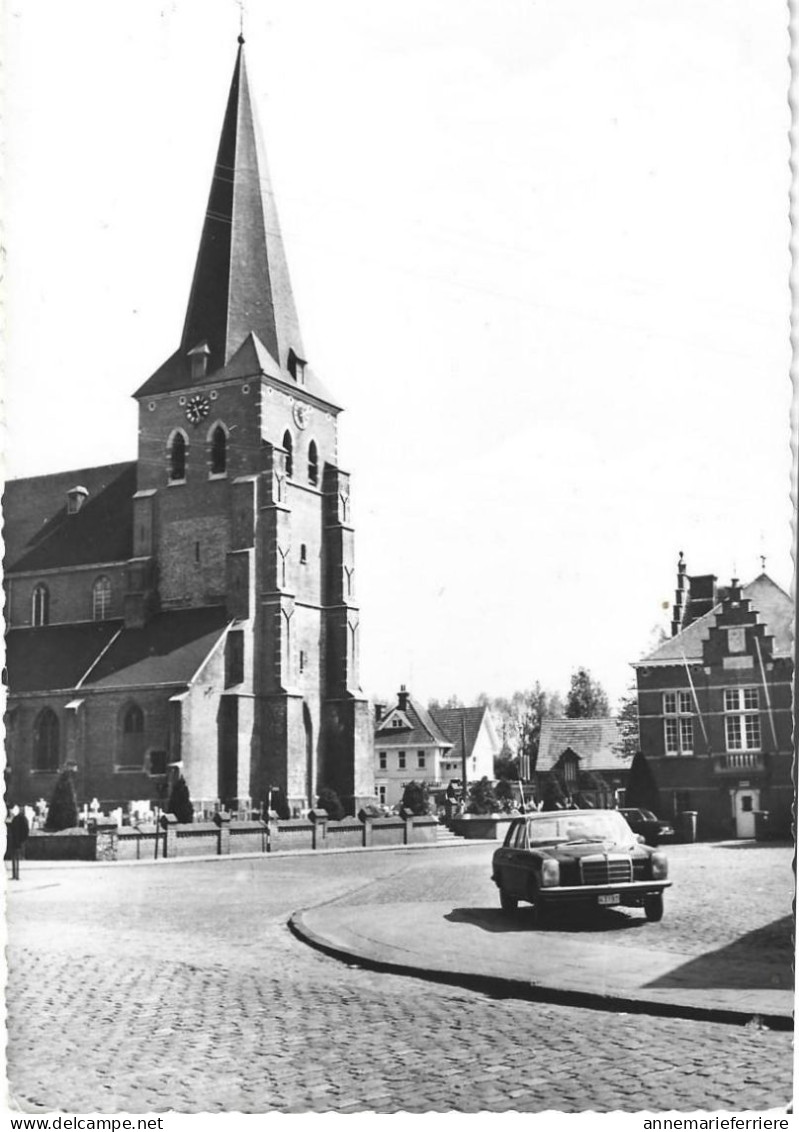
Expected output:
(198, 357)
(76, 497)
(297, 368)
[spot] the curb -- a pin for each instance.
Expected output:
(509, 987)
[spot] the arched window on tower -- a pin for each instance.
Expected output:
(132, 752)
(313, 463)
(177, 458)
(40, 605)
(46, 741)
(218, 451)
(101, 598)
(288, 444)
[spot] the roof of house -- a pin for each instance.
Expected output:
(594, 741)
(773, 606)
(455, 722)
(241, 280)
(41, 535)
(423, 728)
(169, 649)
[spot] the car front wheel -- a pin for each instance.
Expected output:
(653, 907)
(508, 903)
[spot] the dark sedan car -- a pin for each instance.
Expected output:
(587, 857)
(651, 828)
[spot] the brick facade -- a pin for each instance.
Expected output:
(715, 713)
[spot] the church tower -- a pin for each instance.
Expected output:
(240, 504)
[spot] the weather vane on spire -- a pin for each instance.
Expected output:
(241, 21)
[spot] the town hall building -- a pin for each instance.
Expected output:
(196, 609)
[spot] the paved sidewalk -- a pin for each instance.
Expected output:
(489, 949)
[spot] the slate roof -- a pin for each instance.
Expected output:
(454, 721)
(773, 606)
(241, 282)
(423, 730)
(40, 535)
(170, 649)
(55, 657)
(592, 740)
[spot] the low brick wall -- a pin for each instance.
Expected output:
(223, 837)
(70, 846)
(388, 831)
(484, 827)
(345, 834)
(248, 837)
(292, 833)
(133, 845)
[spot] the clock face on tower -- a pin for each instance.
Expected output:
(197, 408)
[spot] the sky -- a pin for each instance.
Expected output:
(540, 253)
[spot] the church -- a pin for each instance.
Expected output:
(195, 610)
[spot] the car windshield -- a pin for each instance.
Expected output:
(599, 825)
(649, 815)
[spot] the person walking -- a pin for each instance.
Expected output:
(18, 830)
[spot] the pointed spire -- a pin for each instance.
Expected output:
(241, 280)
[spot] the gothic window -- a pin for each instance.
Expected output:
(46, 741)
(101, 598)
(313, 464)
(132, 752)
(177, 458)
(288, 444)
(570, 769)
(218, 451)
(40, 605)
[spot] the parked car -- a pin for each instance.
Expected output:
(586, 857)
(651, 828)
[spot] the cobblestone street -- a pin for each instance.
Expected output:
(180, 986)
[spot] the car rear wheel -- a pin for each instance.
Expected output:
(653, 907)
(509, 903)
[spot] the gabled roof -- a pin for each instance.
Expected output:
(455, 721)
(773, 606)
(169, 649)
(594, 741)
(423, 729)
(241, 281)
(39, 533)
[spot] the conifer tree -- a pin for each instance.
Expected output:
(63, 810)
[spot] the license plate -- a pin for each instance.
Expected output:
(614, 898)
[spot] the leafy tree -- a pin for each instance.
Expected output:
(642, 788)
(553, 795)
(504, 794)
(505, 766)
(179, 802)
(482, 799)
(63, 810)
(627, 719)
(539, 705)
(452, 701)
(586, 698)
(329, 801)
(415, 797)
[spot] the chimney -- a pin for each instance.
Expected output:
(379, 710)
(402, 698)
(679, 598)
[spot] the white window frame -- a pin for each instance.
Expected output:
(678, 723)
(742, 731)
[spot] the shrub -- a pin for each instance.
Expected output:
(179, 802)
(482, 798)
(63, 811)
(504, 794)
(329, 800)
(415, 798)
